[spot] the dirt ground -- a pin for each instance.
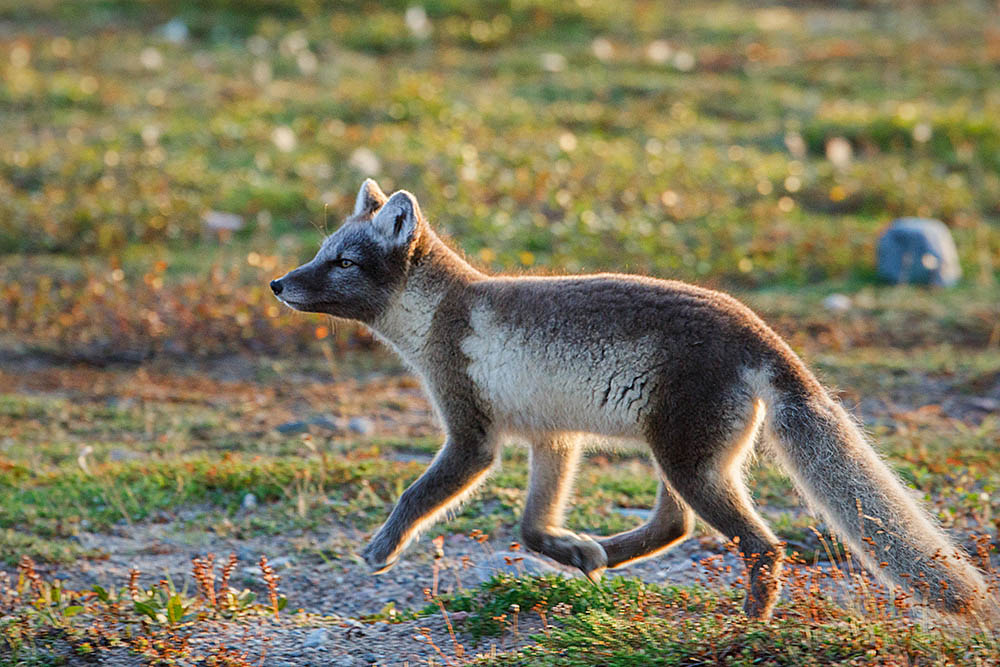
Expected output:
(333, 596)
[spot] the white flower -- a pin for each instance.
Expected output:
(684, 61)
(659, 51)
(284, 138)
(839, 151)
(553, 62)
(364, 160)
(603, 49)
(151, 58)
(417, 21)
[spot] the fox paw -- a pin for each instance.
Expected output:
(378, 558)
(579, 551)
(589, 557)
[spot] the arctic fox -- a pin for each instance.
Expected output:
(692, 372)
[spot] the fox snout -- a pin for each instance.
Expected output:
(304, 287)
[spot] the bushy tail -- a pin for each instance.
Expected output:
(866, 504)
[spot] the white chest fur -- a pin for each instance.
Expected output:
(538, 380)
(406, 324)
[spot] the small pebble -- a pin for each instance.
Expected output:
(361, 425)
(315, 639)
(328, 423)
(175, 30)
(837, 303)
(291, 428)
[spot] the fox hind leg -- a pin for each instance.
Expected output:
(703, 462)
(721, 502)
(553, 463)
(670, 524)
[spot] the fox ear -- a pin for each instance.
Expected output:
(397, 220)
(370, 199)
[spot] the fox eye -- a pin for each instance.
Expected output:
(342, 263)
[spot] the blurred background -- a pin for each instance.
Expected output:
(161, 161)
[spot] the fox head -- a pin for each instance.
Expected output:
(363, 264)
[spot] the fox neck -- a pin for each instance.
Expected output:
(435, 270)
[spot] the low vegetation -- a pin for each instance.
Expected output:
(158, 166)
(627, 622)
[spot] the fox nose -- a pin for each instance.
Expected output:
(276, 287)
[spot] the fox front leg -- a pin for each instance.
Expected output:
(553, 464)
(456, 471)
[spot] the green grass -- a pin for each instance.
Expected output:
(626, 622)
(87, 462)
(709, 166)
(683, 141)
(47, 623)
(569, 165)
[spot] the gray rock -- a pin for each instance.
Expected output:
(315, 638)
(361, 425)
(837, 303)
(984, 404)
(175, 31)
(291, 428)
(918, 251)
(281, 561)
(217, 220)
(249, 502)
(516, 563)
(329, 424)
(404, 457)
(637, 512)
(118, 454)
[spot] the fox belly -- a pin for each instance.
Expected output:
(538, 380)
